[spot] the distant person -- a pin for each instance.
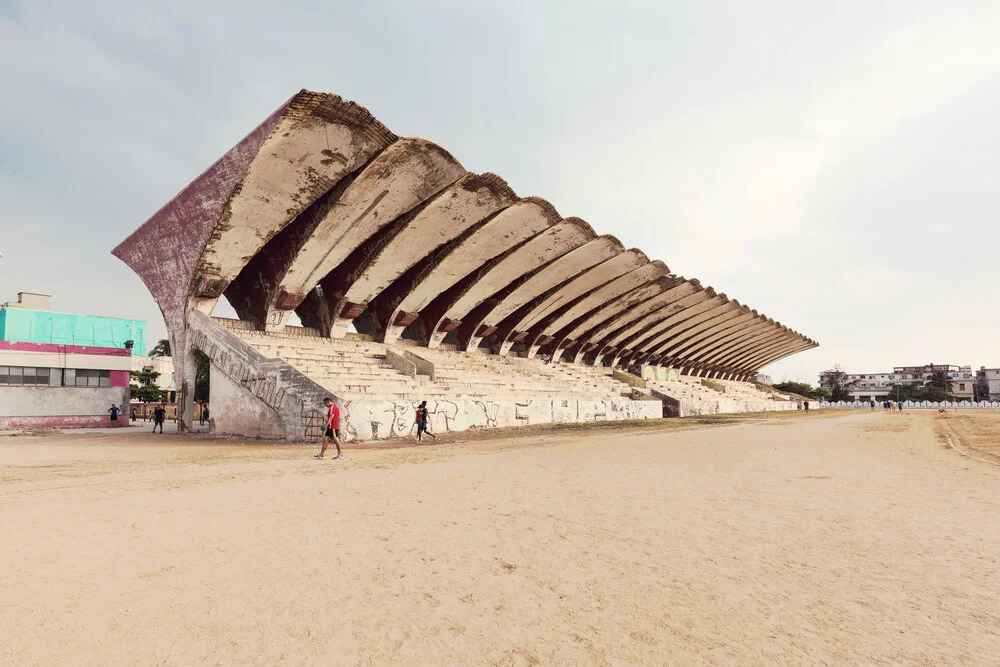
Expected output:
(798, 405)
(203, 414)
(805, 404)
(332, 431)
(899, 406)
(422, 422)
(114, 410)
(158, 414)
(133, 414)
(873, 406)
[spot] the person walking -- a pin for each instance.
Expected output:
(873, 405)
(114, 410)
(158, 414)
(204, 413)
(332, 429)
(422, 422)
(133, 413)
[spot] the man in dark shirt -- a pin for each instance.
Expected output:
(114, 414)
(158, 415)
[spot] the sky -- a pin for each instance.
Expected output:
(832, 165)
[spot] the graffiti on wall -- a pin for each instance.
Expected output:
(377, 419)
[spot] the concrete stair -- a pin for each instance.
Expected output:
(493, 376)
(344, 366)
(351, 367)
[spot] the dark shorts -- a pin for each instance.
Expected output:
(421, 427)
(157, 421)
(114, 418)
(330, 433)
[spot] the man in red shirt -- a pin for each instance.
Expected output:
(332, 429)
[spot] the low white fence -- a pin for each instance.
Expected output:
(916, 405)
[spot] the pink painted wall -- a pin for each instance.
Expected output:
(62, 421)
(65, 349)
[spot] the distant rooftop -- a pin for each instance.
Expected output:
(31, 301)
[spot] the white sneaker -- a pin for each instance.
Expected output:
(338, 456)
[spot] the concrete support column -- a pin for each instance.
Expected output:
(185, 393)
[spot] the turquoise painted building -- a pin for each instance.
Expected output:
(24, 325)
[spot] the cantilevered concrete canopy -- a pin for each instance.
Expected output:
(324, 212)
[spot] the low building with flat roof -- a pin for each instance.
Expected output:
(61, 369)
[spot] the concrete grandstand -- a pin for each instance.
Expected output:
(416, 280)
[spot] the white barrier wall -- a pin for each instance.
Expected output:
(690, 407)
(917, 405)
(376, 419)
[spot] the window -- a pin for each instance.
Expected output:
(91, 378)
(22, 376)
(19, 376)
(961, 386)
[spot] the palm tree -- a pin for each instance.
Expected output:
(161, 349)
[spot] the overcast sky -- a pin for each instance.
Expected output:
(833, 165)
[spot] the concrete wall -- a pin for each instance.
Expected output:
(724, 406)
(236, 411)
(377, 419)
(66, 407)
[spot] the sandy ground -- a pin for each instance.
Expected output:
(847, 539)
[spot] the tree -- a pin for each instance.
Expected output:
(161, 349)
(202, 378)
(803, 389)
(839, 386)
(910, 392)
(144, 387)
(939, 379)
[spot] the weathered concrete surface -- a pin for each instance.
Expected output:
(660, 305)
(689, 320)
(317, 141)
(600, 298)
(236, 411)
(742, 325)
(797, 346)
(758, 359)
(687, 332)
(402, 177)
(605, 304)
(467, 203)
(436, 289)
(624, 337)
(528, 322)
(707, 354)
(504, 276)
(564, 268)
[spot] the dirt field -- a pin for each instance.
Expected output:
(834, 538)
